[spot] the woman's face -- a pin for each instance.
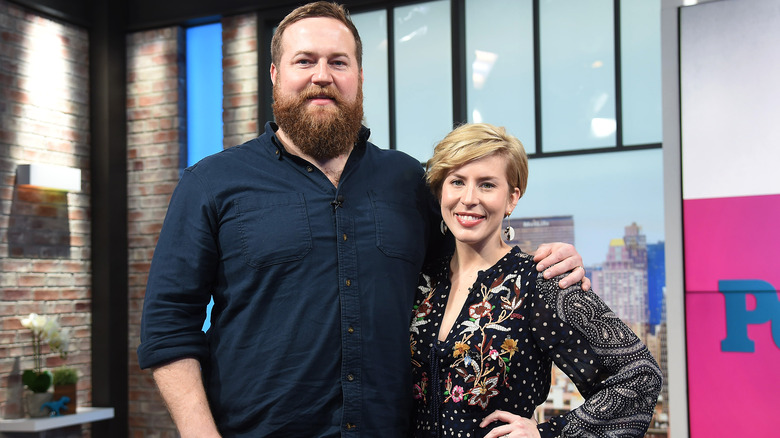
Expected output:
(474, 199)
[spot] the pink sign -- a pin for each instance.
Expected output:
(732, 276)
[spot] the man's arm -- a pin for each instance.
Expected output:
(181, 386)
(559, 258)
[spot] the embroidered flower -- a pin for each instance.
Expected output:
(460, 349)
(423, 310)
(483, 392)
(457, 394)
(418, 392)
(479, 310)
(493, 353)
(510, 346)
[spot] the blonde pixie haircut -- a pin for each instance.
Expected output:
(471, 142)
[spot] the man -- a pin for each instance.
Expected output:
(310, 240)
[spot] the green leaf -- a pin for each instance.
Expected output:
(37, 382)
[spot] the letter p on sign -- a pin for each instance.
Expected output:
(738, 317)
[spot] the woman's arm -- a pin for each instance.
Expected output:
(611, 367)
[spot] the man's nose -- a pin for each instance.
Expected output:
(322, 73)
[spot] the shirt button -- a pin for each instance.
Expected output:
(350, 377)
(309, 169)
(349, 282)
(350, 330)
(344, 236)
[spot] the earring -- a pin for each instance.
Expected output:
(443, 227)
(509, 233)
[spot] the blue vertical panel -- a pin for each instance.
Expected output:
(204, 91)
(204, 99)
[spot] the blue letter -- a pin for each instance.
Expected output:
(738, 317)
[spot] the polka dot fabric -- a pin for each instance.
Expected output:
(500, 351)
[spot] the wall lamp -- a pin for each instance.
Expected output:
(48, 176)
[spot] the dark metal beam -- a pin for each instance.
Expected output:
(108, 157)
(71, 11)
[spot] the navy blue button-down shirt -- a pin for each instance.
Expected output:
(312, 286)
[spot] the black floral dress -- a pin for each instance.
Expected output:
(500, 351)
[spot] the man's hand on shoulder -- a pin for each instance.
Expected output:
(559, 258)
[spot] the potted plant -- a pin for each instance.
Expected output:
(44, 331)
(65, 380)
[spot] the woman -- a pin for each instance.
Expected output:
(486, 328)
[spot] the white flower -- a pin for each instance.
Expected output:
(45, 329)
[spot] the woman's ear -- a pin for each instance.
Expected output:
(514, 197)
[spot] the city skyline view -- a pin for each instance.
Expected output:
(602, 192)
(630, 279)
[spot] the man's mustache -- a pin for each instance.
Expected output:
(315, 91)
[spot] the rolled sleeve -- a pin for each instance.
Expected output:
(180, 279)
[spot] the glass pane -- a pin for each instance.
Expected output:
(577, 74)
(640, 52)
(204, 91)
(423, 76)
(500, 66)
(373, 32)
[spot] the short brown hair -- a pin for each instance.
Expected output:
(471, 142)
(315, 10)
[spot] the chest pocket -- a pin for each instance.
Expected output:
(400, 228)
(274, 229)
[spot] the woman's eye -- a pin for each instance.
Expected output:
(456, 182)
(488, 185)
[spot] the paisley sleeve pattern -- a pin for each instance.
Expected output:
(611, 367)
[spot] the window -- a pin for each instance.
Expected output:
(376, 95)
(423, 76)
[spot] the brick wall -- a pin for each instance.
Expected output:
(155, 114)
(240, 82)
(44, 234)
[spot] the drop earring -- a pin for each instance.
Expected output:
(509, 233)
(443, 227)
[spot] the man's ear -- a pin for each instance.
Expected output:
(273, 74)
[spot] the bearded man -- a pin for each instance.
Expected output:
(310, 240)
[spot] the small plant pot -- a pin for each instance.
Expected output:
(69, 391)
(33, 403)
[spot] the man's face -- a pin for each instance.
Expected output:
(318, 99)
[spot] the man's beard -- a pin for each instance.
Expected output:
(319, 132)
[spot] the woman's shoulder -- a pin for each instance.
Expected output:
(516, 261)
